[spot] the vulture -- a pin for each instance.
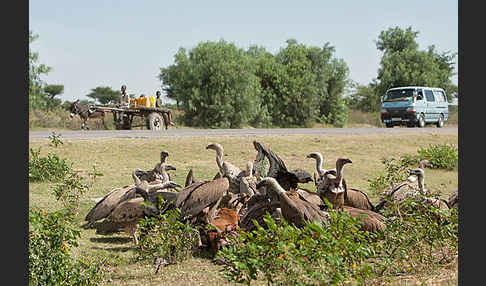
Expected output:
(202, 199)
(248, 181)
(118, 195)
(352, 197)
(257, 207)
(226, 169)
(155, 174)
(128, 213)
(402, 191)
(295, 209)
(370, 221)
(332, 187)
(277, 169)
(453, 201)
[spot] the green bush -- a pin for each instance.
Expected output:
(396, 171)
(50, 168)
(287, 255)
(50, 237)
(442, 156)
(422, 239)
(167, 237)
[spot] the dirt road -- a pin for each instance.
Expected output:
(103, 134)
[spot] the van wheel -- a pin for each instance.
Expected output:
(440, 123)
(421, 121)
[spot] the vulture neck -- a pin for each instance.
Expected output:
(420, 182)
(219, 159)
(319, 168)
(339, 173)
(282, 194)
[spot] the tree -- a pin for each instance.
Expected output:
(37, 97)
(104, 95)
(404, 64)
(363, 97)
(214, 84)
(51, 91)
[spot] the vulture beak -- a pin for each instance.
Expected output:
(170, 167)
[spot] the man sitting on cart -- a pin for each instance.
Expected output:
(124, 101)
(158, 100)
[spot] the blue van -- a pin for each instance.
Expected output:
(414, 106)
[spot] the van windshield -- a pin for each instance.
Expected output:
(399, 95)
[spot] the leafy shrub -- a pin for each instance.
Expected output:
(442, 156)
(70, 191)
(50, 263)
(423, 238)
(396, 171)
(287, 255)
(167, 237)
(50, 168)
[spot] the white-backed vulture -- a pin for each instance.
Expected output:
(129, 212)
(352, 197)
(295, 209)
(408, 189)
(202, 198)
(257, 207)
(332, 187)
(154, 174)
(109, 202)
(248, 181)
(226, 169)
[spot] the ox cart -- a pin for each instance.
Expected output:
(155, 117)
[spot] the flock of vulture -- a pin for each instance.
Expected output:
(236, 197)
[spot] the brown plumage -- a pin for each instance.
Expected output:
(357, 199)
(257, 207)
(194, 199)
(397, 194)
(248, 181)
(129, 212)
(370, 220)
(295, 209)
(332, 187)
(109, 202)
(319, 172)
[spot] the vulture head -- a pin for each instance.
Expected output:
(302, 175)
(425, 164)
(216, 147)
(163, 156)
(315, 155)
(417, 172)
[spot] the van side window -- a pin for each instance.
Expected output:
(438, 96)
(444, 98)
(429, 95)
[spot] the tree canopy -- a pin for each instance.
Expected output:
(104, 95)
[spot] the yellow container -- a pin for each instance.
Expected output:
(133, 102)
(143, 101)
(152, 101)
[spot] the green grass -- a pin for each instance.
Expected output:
(116, 158)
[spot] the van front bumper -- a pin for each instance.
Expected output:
(399, 118)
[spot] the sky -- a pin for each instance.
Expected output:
(110, 43)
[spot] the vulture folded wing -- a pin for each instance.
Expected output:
(186, 192)
(203, 196)
(357, 199)
(106, 205)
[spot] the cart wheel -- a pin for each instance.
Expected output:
(154, 121)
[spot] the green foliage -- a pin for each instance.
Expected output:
(37, 96)
(104, 95)
(403, 64)
(167, 237)
(214, 84)
(364, 98)
(396, 171)
(51, 91)
(287, 255)
(442, 156)
(50, 168)
(421, 239)
(51, 235)
(218, 85)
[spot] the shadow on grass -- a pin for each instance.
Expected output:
(115, 249)
(113, 240)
